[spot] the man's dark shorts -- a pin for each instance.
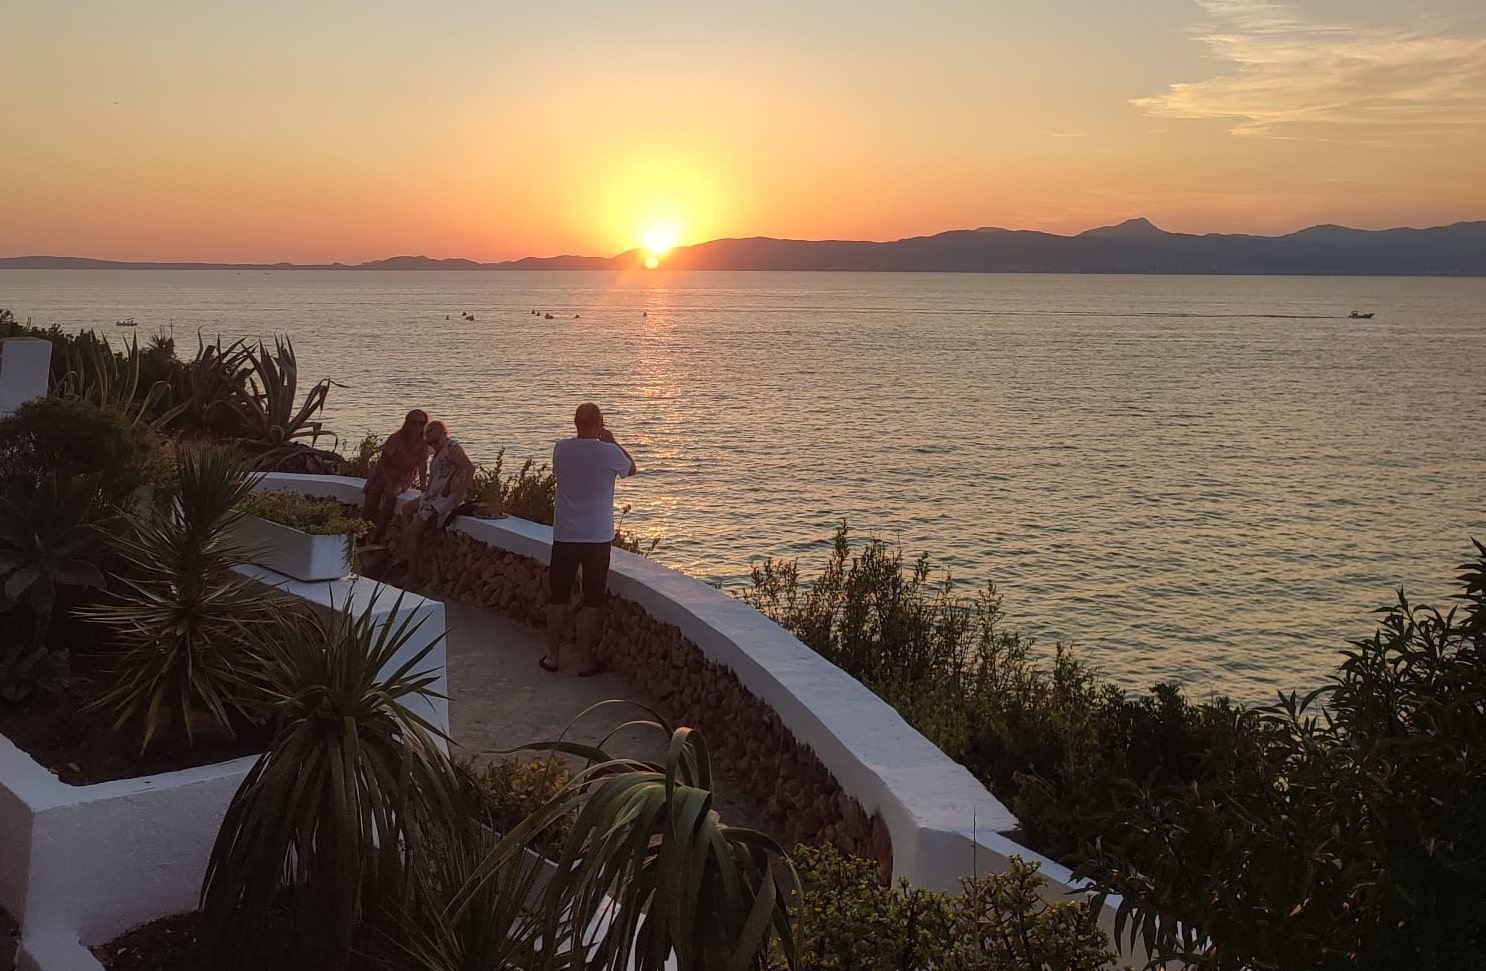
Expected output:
(563, 570)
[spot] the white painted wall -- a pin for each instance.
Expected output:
(389, 605)
(297, 554)
(944, 822)
(101, 859)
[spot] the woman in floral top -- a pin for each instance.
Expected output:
(403, 462)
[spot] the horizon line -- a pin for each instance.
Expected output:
(1134, 222)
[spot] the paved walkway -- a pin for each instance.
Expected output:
(500, 698)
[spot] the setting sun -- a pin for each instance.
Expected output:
(661, 239)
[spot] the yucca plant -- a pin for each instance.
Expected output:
(181, 613)
(451, 918)
(650, 873)
(330, 815)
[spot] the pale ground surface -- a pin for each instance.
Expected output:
(499, 698)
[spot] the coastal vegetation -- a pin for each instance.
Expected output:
(1339, 829)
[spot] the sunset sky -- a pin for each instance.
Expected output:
(324, 131)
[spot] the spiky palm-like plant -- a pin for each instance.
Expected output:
(178, 608)
(651, 873)
(337, 806)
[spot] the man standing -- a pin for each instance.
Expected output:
(583, 532)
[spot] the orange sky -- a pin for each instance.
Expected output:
(197, 131)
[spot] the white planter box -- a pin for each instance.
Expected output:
(81, 864)
(286, 550)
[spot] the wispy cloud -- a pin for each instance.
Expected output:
(1292, 78)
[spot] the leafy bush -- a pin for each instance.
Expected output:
(308, 514)
(530, 493)
(70, 437)
(27, 669)
(1338, 830)
(365, 456)
(510, 790)
(49, 540)
(851, 921)
(1041, 737)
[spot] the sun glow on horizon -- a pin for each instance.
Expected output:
(658, 240)
(661, 238)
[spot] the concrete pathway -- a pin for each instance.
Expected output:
(500, 698)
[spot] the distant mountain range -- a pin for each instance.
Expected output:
(1133, 246)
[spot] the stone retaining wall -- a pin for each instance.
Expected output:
(805, 803)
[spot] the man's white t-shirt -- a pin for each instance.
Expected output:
(586, 469)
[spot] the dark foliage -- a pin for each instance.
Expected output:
(1340, 830)
(69, 437)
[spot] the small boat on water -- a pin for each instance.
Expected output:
(128, 322)
(1359, 315)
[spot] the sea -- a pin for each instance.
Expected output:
(1211, 480)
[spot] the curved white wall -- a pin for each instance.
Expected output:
(944, 823)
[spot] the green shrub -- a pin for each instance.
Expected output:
(308, 514)
(530, 493)
(1041, 736)
(50, 538)
(1339, 830)
(365, 456)
(69, 437)
(512, 789)
(851, 921)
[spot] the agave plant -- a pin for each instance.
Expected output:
(178, 608)
(93, 371)
(337, 805)
(260, 403)
(649, 873)
(48, 539)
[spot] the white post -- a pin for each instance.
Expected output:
(25, 366)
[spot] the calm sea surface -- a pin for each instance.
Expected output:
(1206, 479)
